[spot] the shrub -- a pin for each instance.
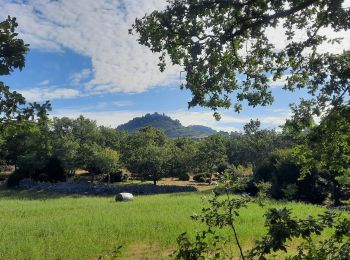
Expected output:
(202, 177)
(52, 172)
(14, 179)
(115, 177)
(184, 177)
(125, 177)
(55, 171)
(287, 181)
(291, 191)
(222, 167)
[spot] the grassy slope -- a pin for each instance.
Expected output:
(38, 226)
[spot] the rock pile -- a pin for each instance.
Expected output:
(86, 188)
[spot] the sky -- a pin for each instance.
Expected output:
(84, 61)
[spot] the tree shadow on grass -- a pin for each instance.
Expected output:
(200, 192)
(36, 194)
(22, 194)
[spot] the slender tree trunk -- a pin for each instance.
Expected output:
(336, 193)
(154, 182)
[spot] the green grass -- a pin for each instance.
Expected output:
(41, 226)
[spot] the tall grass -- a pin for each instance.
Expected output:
(42, 226)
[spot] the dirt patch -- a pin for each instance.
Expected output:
(176, 182)
(146, 251)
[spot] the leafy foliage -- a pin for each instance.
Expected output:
(224, 49)
(212, 151)
(254, 145)
(284, 173)
(12, 56)
(146, 153)
(222, 212)
(327, 147)
(282, 227)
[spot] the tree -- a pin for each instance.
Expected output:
(28, 144)
(138, 140)
(110, 138)
(224, 49)
(65, 148)
(145, 153)
(211, 152)
(253, 146)
(104, 161)
(182, 156)
(12, 56)
(327, 147)
(152, 163)
(282, 227)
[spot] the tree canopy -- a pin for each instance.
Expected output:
(225, 50)
(12, 56)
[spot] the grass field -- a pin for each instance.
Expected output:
(42, 226)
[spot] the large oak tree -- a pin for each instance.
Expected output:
(224, 48)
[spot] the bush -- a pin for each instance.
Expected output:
(202, 177)
(55, 171)
(222, 167)
(285, 176)
(14, 179)
(184, 177)
(115, 177)
(52, 172)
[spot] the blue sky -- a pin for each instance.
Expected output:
(84, 61)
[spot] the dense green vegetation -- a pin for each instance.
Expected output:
(172, 128)
(39, 225)
(229, 60)
(307, 161)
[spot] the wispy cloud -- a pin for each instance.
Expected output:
(80, 76)
(98, 30)
(228, 122)
(106, 118)
(42, 94)
(122, 103)
(279, 82)
(44, 82)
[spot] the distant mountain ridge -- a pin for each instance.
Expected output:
(173, 128)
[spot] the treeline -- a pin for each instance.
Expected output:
(53, 150)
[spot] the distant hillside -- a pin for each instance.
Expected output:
(173, 128)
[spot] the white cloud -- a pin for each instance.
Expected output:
(106, 118)
(122, 103)
(98, 30)
(279, 82)
(80, 76)
(227, 123)
(227, 120)
(43, 94)
(44, 82)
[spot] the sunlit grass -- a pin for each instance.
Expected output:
(42, 226)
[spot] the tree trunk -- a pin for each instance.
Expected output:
(336, 194)
(154, 182)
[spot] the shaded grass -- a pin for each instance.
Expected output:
(42, 226)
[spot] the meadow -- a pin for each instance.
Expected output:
(35, 225)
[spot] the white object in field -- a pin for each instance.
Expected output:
(124, 196)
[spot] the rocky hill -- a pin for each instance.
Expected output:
(173, 128)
